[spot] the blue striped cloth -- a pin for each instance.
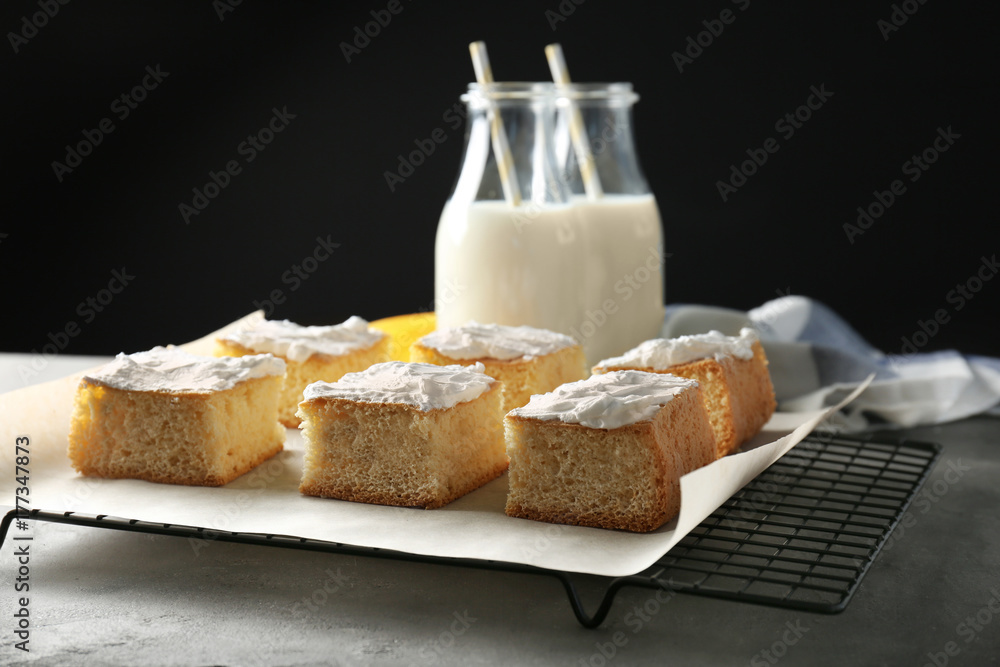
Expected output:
(816, 358)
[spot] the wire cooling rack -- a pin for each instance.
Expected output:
(801, 535)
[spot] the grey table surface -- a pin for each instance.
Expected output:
(103, 597)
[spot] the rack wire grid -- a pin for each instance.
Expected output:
(801, 535)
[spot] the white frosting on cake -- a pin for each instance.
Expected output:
(607, 401)
(297, 343)
(662, 353)
(172, 370)
(425, 386)
(495, 341)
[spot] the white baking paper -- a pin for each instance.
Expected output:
(267, 500)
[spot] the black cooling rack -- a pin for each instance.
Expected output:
(801, 535)
(805, 531)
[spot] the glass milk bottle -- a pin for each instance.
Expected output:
(516, 246)
(624, 280)
(497, 259)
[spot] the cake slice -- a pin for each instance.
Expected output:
(398, 433)
(732, 371)
(312, 353)
(168, 416)
(524, 359)
(608, 451)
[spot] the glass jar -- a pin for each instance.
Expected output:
(560, 258)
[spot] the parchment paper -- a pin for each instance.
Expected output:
(267, 500)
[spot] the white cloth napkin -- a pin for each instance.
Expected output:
(816, 358)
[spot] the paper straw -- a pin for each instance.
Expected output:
(581, 146)
(505, 160)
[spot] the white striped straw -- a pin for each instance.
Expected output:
(560, 74)
(505, 160)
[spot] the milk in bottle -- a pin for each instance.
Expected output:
(558, 259)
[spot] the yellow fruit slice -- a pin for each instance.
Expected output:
(405, 330)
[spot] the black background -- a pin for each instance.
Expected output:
(323, 176)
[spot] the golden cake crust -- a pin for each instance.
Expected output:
(318, 367)
(397, 454)
(419, 501)
(175, 438)
(738, 394)
(626, 478)
(520, 377)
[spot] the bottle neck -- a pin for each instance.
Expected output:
(551, 143)
(610, 143)
(510, 140)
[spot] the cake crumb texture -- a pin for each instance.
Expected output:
(520, 377)
(318, 367)
(192, 439)
(398, 454)
(739, 395)
(625, 478)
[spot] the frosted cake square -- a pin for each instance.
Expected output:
(732, 371)
(312, 353)
(168, 416)
(398, 433)
(608, 451)
(526, 360)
